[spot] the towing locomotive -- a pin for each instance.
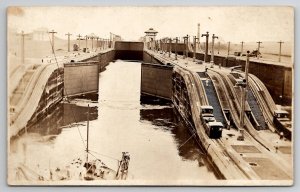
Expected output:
(212, 127)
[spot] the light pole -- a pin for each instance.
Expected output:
(243, 101)
(206, 45)
(97, 42)
(92, 38)
(212, 50)
(86, 38)
(228, 49)
(185, 38)
(175, 47)
(258, 48)
(52, 32)
(69, 34)
(79, 38)
(23, 47)
(170, 44)
(279, 58)
(242, 46)
(198, 37)
(194, 48)
(187, 46)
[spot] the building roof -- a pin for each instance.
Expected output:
(151, 30)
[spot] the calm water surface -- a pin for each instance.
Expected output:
(155, 137)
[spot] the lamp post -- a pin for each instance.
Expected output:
(170, 44)
(212, 50)
(23, 46)
(68, 34)
(175, 48)
(243, 101)
(279, 58)
(258, 48)
(79, 36)
(242, 46)
(86, 39)
(206, 45)
(198, 37)
(185, 41)
(92, 38)
(194, 48)
(228, 49)
(52, 33)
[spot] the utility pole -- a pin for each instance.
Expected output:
(279, 58)
(92, 38)
(170, 44)
(87, 135)
(219, 47)
(164, 45)
(244, 93)
(176, 42)
(101, 43)
(212, 50)
(79, 38)
(110, 38)
(187, 46)
(97, 42)
(198, 37)
(52, 32)
(194, 48)
(23, 47)
(258, 47)
(206, 45)
(228, 49)
(86, 39)
(242, 47)
(69, 34)
(185, 39)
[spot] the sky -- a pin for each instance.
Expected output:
(235, 24)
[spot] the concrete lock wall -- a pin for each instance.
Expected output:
(180, 47)
(279, 83)
(129, 50)
(156, 80)
(80, 78)
(148, 58)
(105, 58)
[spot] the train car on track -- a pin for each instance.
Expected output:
(212, 128)
(283, 123)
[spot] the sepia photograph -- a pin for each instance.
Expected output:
(150, 96)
